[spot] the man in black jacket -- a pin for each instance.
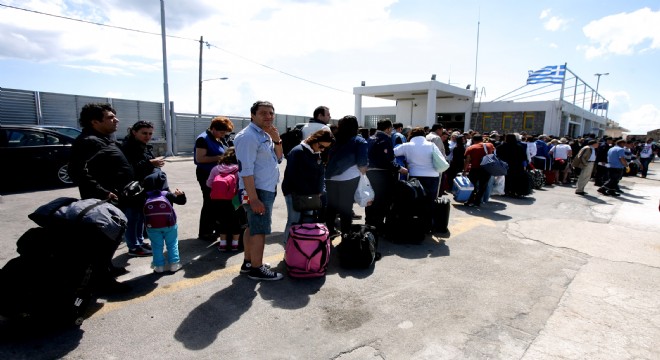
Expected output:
(382, 174)
(97, 164)
(100, 169)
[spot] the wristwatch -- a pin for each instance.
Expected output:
(278, 142)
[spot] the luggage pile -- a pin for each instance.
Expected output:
(62, 262)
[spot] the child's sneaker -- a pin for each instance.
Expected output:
(264, 273)
(158, 269)
(245, 268)
(175, 267)
(222, 246)
(234, 245)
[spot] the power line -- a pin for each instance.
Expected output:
(93, 23)
(176, 37)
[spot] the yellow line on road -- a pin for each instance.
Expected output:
(458, 227)
(181, 285)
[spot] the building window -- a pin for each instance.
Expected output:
(370, 121)
(528, 122)
(487, 122)
(507, 122)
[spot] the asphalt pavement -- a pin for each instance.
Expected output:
(552, 276)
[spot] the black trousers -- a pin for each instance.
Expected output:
(479, 178)
(382, 181)
(207, 216)
(615, 175)
(340, 201)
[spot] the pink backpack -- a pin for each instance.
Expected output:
(307, 251)
(158, 211)
(224, 186)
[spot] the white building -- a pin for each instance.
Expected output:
(429, 102)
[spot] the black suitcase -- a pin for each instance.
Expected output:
(52, 294)
(440, 211)
(409, 219)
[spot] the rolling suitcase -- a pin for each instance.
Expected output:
(550, 177)
(441, 209)
(408, 220)
(462, 189)
(307, 250)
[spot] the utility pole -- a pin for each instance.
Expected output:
(201, 48)
(168, 119)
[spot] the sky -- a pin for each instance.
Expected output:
(300, 54)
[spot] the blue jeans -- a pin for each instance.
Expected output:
(489, 189)
(260, 224)
(134, 227)
(293, 216)
(430, 185)
(167, 236)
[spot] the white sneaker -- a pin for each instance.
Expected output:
(175, 267)
(234, 245)
(158, 269)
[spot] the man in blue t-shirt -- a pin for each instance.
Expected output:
(617, 164)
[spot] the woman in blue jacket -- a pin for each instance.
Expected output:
(347, 161)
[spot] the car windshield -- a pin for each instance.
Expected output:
(72, 132)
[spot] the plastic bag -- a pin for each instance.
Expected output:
(498, 185)
(364, 194)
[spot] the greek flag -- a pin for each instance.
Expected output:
(549, 74)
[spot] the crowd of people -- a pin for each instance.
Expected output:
(238, 178)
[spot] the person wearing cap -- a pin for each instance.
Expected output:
(561, 153)
(584, 161)
(616, 159)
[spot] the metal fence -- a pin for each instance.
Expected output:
(43, 108)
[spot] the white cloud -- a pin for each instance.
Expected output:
(555, 23)
(552, 23)
(553, 46)
(641, 120)
(623, 34)
(544, 14)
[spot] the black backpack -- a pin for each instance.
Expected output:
(357, 250)
(290, 139)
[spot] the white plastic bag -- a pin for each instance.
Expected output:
(364, 194)
(498, 185)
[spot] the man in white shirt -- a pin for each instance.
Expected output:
(434, 136)
(319, 121)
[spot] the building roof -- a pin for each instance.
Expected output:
(411, 90)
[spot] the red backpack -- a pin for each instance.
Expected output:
(224, 186)
(158, 211)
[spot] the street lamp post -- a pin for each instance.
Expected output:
(199, 105)
(597, 84)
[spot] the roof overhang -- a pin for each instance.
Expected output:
(412, 91)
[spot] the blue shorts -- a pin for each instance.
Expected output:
(260, 224)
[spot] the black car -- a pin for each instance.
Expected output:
(32, 156)
(66, 130)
